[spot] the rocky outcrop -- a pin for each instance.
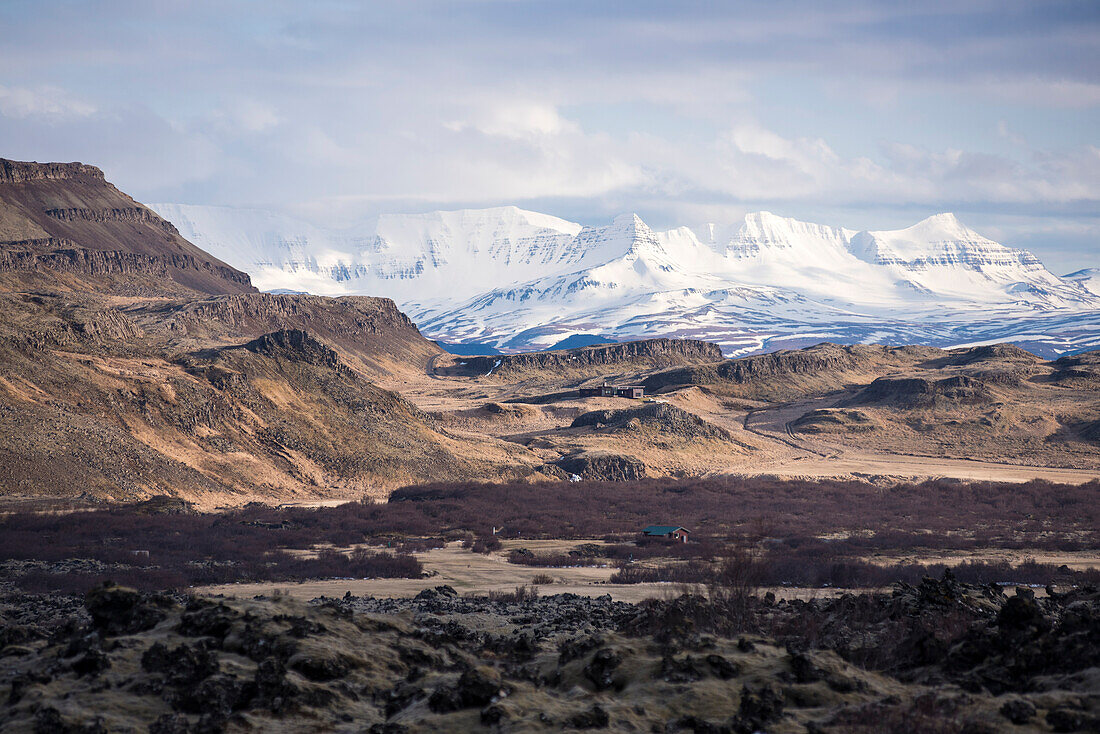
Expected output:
(939, 656)
(667, 419)
(991, 353)
(24, 171)
(651, 353)
(830, 420)
(769, 370)
(296, 346)
(351, 316)
(913, 392)
(128, 214)
(1079, 370)
(372, 330)
(46, 321)
(99, 262)
(604, 467)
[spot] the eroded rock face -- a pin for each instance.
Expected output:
(23, 171)
(295, 345)
(651, 353)
(69, 259)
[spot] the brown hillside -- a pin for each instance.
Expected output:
(64, 225)
(97, 411)
(788, 374)
(372, 333)
(132, 363)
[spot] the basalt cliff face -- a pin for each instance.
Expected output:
(65, 225)
(642, 354)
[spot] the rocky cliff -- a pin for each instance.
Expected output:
(23, 171)
(66, 218)
(647, 353)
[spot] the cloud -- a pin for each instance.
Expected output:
(42, 102)
(1006, 133)
(585, 109)
(251, 115)
(518, 120)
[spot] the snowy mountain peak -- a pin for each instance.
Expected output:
(943, 228)
(520, 279)
(769, 235)
(938, 240)
(630, 222)
(943, 219)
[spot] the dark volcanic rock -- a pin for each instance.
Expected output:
(594, 718)
(117, 610)
(602, 466)
(601, 668)
(954, 657)
(475, 688)
(652, 353)
(297, 345)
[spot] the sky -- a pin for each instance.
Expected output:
(868, 115)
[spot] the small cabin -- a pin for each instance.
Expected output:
(670, 532)
(613, 391)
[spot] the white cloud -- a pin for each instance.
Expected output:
(517, 120)
(569, 106)
(41, 102)
(253, 116)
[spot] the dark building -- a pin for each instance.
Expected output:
(613, 391)
(672, 532)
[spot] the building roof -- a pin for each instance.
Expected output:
(663, 529)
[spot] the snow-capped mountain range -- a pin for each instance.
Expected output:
(520, 280)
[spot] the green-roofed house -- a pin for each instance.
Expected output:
(672, 532)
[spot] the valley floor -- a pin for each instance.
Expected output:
(491, 573)
(764, 443)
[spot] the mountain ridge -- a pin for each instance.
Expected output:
(520, 280)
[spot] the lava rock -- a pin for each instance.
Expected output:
(600, 670)
(117, 610)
